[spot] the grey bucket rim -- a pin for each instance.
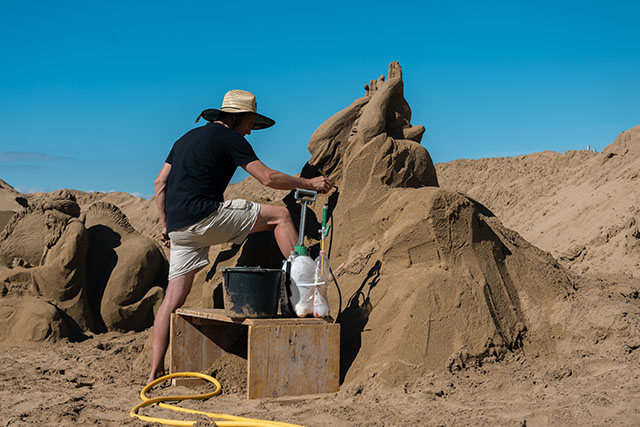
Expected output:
(240, 289)
(248, 269)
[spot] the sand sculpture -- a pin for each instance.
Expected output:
(51, 271)
(430, 278)
(374, 132)
(44, 248)
(124, 268)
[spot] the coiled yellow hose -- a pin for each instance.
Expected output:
(231, 420)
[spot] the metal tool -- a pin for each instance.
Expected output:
(305, 198)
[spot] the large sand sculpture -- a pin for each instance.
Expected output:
(55, 270)
(124, 270)
(430, 279)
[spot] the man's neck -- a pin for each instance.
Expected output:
(220, 122)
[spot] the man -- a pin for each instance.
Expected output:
(189, 198)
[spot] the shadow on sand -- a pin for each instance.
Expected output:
(354, 318)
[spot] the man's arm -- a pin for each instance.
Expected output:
(160, 185)
(281, 181)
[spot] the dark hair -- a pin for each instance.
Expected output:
(234, 118)
(229, 117)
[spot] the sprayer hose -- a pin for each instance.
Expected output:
(230, 420)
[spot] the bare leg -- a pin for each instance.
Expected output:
(177, 291)
(278, 219)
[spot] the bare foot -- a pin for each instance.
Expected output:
(155, 375)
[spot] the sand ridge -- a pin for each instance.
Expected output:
(581, 206)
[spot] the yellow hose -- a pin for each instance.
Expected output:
(231, 420)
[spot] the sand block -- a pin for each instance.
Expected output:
(285, 357)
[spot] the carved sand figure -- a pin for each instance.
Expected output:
(454, 285)
(52, 271)
(43, 253)
(430, 279)
(381, 118)
(126, 270)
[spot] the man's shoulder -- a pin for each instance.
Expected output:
(218, 131)
(212, 135)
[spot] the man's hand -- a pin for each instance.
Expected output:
(321, 184)
(164, 239)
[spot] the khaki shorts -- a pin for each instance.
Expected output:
(231, 222)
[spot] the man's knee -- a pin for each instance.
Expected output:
(275, 214)
(272, 216)
(284, 215)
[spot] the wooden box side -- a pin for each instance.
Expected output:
(293, 360)
(194, 347)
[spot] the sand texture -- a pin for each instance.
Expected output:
(582, 207)
(476, 292)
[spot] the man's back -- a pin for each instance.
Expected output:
(202, 164)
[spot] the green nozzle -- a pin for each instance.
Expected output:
(300, 250)
(324, 216)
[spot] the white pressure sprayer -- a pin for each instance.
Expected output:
(305, 286)
(296, 296)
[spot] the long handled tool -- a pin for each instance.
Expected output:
(305, 198)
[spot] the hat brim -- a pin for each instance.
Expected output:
(262, 122)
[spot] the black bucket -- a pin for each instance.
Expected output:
(251, 291)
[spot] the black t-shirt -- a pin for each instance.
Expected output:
(202, 164)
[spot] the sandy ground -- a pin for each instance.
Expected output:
(592, 380)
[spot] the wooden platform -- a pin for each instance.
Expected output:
(285, 356)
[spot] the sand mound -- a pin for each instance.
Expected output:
(581, 206)
(8, 197)
(430, 278)
(9, 204)
(88, 273)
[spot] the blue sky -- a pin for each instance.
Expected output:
(92, 95)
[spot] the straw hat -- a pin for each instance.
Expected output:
(238, 101)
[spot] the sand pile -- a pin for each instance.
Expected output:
(72, 271)
(582, 206)
(8, 203)
(431, 280)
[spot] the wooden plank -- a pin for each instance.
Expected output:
(333, 354)
(292, 360)
(219, 314)
(184, 338)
